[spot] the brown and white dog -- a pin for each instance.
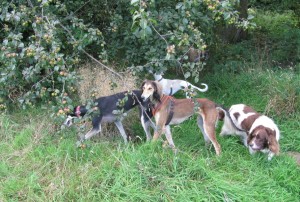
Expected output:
(259, 132)
(170, 111)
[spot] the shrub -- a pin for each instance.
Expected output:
(41, 46)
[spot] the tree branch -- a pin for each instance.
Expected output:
(90, 56)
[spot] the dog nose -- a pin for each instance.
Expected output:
(251, 144)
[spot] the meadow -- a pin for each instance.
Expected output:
(39, 163)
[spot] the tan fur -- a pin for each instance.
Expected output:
(183, 109)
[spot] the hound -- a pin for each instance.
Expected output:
(107, 105)
(170, 87)
(258, 132)
(170, 111)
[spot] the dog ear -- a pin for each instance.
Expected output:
(249, 137)
(157, 90)
(143, 85)
(272, 142)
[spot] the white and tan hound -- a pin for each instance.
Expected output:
(170, 87)
(170, 111)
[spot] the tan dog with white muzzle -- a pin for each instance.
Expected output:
(170, 111)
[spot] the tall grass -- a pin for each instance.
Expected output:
(39, 164)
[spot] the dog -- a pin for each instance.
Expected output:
(107, 106)
(170, 87)
(170, 111)
(258, 132)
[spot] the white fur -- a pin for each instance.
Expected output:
(170, 87)
(266, 122)
(229, 129)
(239, 109)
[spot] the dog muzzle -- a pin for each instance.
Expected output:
(144, 98)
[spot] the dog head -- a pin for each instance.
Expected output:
(263, 138)
(78, 111)
(158, 75)
(151, 90)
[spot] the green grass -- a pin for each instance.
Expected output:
(39, 164)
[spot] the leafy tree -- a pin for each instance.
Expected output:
(165, 33)
(43, 41)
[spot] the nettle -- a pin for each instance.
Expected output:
(41, 44)
(169, 31)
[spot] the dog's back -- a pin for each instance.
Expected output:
(118, 101)
(238, 119)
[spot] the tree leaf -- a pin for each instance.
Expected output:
(187, 75)
(132, 2)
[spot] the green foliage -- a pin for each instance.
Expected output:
(277, 5)
(281, 31)
(43, 42)
(164, 32)
(274, 44)
(40, 47)
(274, 93)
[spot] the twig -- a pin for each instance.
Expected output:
(30, 3)
(42, 79)
(69, 16)
(90, 56)
(97, 61)
(159, 34)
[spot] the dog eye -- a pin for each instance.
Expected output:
(150, 88)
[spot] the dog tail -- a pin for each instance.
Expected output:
(203, 89)
(224, 115)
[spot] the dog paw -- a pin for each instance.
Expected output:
(79, 144)
(175, 150)
(165, 144)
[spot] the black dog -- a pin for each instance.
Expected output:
(107, 105)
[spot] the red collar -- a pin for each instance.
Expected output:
(77, 111)
(163, 100)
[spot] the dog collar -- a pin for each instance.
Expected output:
(160, 79)
(171, 92)
(77, 111)
(164, 99)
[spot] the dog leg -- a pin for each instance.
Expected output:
(244, 140)
(169, 136)
(91, 133)
(122, 131)
(270, 155)
(146, 126)
(96, 122)
(159, 127)
(158, 131)
(200, 125)
(209, 132)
